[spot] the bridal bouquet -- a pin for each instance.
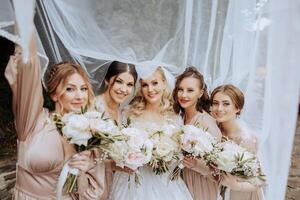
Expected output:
(237, 161)
(133, 152)
(198, 143)
(86, 130)
(166, 147)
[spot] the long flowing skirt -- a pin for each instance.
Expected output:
(151, 187)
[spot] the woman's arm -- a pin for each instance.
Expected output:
(91, 179)
(234, 184)
(196, 165)
(25, 83)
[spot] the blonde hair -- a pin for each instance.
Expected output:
(234, 93)
(138, 104)
(58, 76)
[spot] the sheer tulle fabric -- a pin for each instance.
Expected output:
(152, 187)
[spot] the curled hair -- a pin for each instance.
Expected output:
(203, 103)
(116, 68)
(234, 93)
(138, 104)
(59, 74)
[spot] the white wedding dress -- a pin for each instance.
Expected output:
(152, 187)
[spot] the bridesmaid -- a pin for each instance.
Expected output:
(227, 104)
(192, 103)
(119, 84)
(42, 151)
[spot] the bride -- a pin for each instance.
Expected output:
(153, 105)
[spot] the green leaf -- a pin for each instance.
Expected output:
(84, 109)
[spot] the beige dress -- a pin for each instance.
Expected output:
(42, 151)
(202, 186)
(248, 141)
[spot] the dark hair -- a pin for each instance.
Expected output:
(116, 68)
(204, 102)
(234, 93)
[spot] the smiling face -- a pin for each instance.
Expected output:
(120, 87)
(189, 92)
(71, 96)
(223, 108)
(153, 88)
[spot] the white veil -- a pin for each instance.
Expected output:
(251, 43)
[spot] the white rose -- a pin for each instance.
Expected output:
(170, 141)
(203, 145)
(149, 147)
(197, 141)
(76, 128)
(155, 138)
(226, 161)
(164, 150)
(188, 147)
(76, 121)
(118, 151)
(226, 158)
(135, 159)
(137, 137)
(189, 139)
(76, 136)
(200, 149)
(103, 126)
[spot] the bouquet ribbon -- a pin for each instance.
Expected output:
(62, 179)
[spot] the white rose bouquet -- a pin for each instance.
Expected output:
(239, 162)
(195, 142)
(85, 130)
(133, 152)
(166, 148)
